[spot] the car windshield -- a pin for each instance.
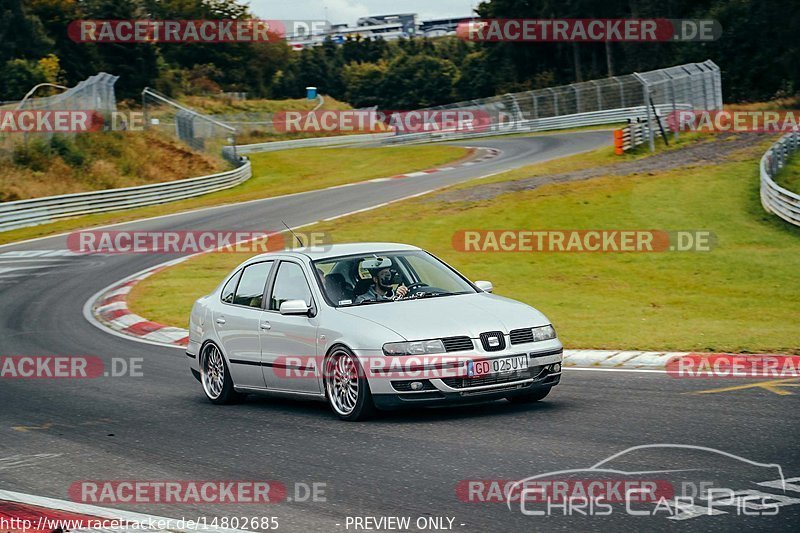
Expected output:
(387, 277)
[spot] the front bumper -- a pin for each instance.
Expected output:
(439, 390)
(437, 397)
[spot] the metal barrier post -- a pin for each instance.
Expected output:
(646, 98)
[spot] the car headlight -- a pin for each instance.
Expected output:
(414, 347)
(544, 333)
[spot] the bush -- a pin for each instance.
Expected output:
(65, 147)
(34, 155)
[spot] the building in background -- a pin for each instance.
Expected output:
(440, 27)
(407, 22)
(386, 27)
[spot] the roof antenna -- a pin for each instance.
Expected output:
(300, 242)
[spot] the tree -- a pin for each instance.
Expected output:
(19, 76)
(476, 79)
(418, 81)
(364, 82)
(22, 35)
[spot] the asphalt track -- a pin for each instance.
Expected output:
(160, 427)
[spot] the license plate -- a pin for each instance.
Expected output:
(503, 365)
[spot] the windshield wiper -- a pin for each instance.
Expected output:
(369, 302)
(430, 295)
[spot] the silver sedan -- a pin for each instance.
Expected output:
(365, 327)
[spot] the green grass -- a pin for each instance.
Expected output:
(276, 173)
(739, 297)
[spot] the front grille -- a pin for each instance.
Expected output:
(457, 344)
(521, 336)
(494, 379)
(405, 386)
(498, 335)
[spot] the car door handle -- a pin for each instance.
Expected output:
(266, 325)
(221, 321)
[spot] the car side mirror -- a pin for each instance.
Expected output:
(485, 286)
(294, 307)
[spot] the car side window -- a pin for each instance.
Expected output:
(229, 289)
(250, 291)
(290, 284)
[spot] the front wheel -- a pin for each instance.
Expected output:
(534, 396)
(346, 386)
(215, 377)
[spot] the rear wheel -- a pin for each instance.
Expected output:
(346, 386)
(535, 396)
(215, 377)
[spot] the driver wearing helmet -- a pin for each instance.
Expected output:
(382, 282)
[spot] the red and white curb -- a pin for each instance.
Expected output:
(28, 513)
(488, 153)
(608, 359)
(109, 308)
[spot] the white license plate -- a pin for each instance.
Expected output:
(503, 365)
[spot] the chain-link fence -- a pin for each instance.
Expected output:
(694, 86)
(95, 93)
(201, 132)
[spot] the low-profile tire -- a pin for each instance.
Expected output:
(538, 394)
(346, 387)
(216, 378)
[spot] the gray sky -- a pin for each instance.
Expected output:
(349, 10)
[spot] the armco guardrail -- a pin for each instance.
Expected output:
(305, 143)
(43, 210)
(577, 120)
(774, 198)
(629, 137)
